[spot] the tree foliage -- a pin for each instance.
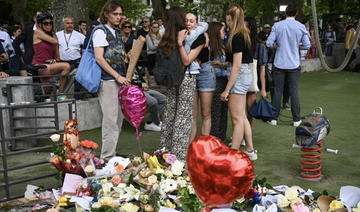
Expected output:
(134, 9)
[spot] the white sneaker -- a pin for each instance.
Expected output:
(152, 127)
(297, 123)
(252, 155)
(272, 122)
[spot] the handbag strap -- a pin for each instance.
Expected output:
(100, 26)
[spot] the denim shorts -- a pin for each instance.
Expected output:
(243, 80)
(206, 80)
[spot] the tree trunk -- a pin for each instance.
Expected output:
(78, 9)
(159, 8)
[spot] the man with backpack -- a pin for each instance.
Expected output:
(110, 54)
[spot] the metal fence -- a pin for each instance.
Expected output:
(11, 133)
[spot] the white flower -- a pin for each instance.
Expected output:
(96, 205)
(191, 189)
(291, 194)
(177, 168)
(121, 185)
(160, 171)
(168, 185)
(283, 202)
(129, 207)
(131, 193)
(181, 181)
(168, 174)
(55, 137)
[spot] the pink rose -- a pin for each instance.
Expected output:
(299, 207)
(116, 180)
(169, 158)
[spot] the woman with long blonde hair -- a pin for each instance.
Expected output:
(238, 52)
(152, 41)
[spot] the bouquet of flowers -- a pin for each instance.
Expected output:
(73, 156)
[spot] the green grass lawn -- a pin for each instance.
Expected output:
(336, 93)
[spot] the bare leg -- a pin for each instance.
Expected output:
(241, 125)
(205, 103)
(250, 100)
(194, 116)
(64, 69)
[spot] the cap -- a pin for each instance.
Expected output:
(267, 26)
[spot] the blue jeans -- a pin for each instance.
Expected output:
(155, 102)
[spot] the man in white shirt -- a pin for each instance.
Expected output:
(70, 42)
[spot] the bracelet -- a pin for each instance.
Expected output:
(181, 46)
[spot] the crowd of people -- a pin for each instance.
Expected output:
(225, 65)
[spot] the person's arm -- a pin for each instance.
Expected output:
(272, 37)
(99, 52)
(4, 75)
(305, 39)
(263, 81)
(41, 35)
(193, 34)
(187, 58)
(4, 57)
(237, 62)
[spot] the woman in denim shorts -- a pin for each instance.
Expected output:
(238, 53)
(205, 81)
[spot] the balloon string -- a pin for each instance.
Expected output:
(138, 134)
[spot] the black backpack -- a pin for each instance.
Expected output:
(169, 71)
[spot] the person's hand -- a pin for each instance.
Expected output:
(145, 86)
(224, 96)
(4, 58)
(3, 74)
(122, 80)
(181, 36)
(51, 61)
(263, 94)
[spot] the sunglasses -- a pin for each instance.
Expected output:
(128, 27)
(47, 23)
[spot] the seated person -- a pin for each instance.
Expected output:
(3, 59)
(154, 99)
(46, 51)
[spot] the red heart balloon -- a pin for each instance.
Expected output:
(218, 173)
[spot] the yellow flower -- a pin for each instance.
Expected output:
(283, 202)
(316, 210)
(291, 194)
(129, 207)
(103, 181)
(63, 201)
(356, 209)
(335, 204)
(296, 200)
(169, 204)
(154, 163)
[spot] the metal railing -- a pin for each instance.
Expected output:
(17, 133)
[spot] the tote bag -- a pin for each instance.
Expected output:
(89, 72)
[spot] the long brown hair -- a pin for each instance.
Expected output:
(157, 35)
(109, 6)
(215, 41)
(175, 23)
(239, 26)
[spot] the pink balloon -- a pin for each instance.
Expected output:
(133, 105)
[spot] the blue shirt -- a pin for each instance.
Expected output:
(288, 35)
